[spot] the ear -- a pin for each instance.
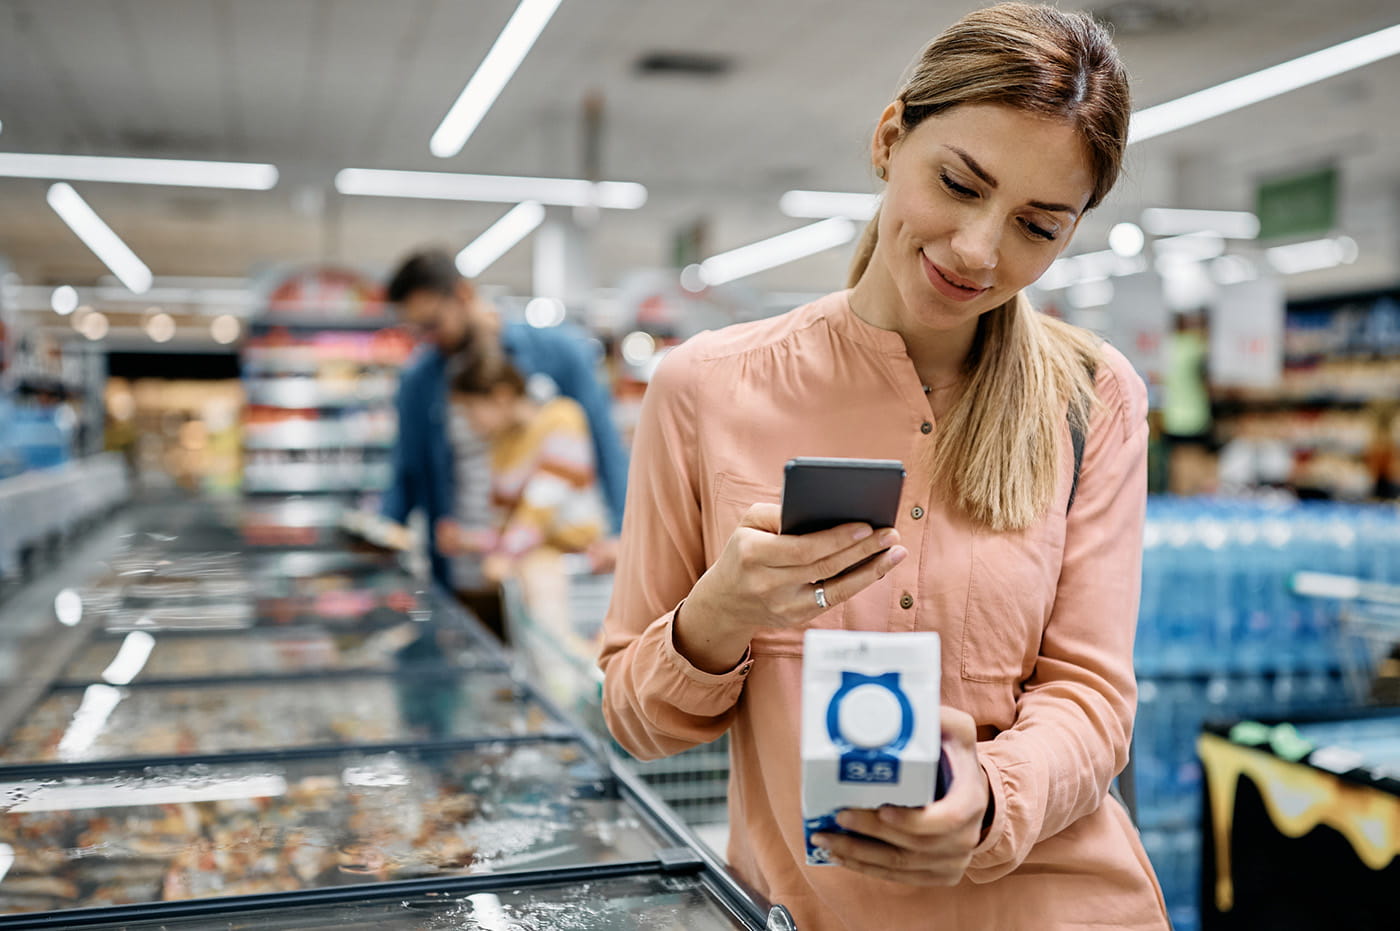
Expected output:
(889, 131)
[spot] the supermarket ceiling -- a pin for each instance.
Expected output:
(786, 96)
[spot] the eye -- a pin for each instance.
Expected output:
(1038, 232)
(954, 187)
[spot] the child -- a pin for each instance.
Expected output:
(543, 480)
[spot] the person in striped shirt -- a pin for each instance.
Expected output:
(544, 482)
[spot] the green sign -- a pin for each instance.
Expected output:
(1298, 205)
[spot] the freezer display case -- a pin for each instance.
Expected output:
(141, 655)
(173, 831)
(297, 739)
(147, 590)
(590, 900)
(107, 722)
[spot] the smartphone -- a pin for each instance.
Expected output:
(822, 493)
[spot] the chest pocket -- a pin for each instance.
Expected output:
(731, 497)
(1012, 591)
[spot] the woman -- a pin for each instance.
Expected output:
(543, 482)
(1012, 125)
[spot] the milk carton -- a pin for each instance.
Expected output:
(870, 729)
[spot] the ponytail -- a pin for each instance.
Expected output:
(864, 250)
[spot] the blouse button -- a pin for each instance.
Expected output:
(918, 512)
(906, 601)
(926, 427)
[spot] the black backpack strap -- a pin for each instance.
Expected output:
(1076, 436)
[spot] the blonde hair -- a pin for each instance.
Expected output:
(998, 448)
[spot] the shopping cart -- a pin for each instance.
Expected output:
(1368, 618)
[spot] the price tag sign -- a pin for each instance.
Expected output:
(1246, 334)
(1138, 323)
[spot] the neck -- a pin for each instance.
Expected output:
(938, 355)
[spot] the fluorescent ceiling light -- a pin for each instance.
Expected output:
(225, 329)
(495, 71)
(691, 279)
(1191, 247)
(1126, 239)
(1233, 269)
(94, 326)
(161, 329)
(64, 300)
(1313, 255)
(817, 204)
(1170, 221)
(638, 347)
(242, 176)
(98, 237)
(496, 189)
(520, 221)
(545, 312)
(1089, 266)
(779, 250)
(1261, 85)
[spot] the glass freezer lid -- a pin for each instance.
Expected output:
(183, 832)
(105, 722)
(152, 655)
(647, 902)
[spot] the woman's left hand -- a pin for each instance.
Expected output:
(928, 846)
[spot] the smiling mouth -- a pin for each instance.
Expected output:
(953, 281)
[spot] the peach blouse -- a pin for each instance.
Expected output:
(1037, 626)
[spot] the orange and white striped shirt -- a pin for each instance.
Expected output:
(544, 482)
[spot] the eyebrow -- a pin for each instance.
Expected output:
(986, 177)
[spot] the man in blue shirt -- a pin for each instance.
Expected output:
(447, 313)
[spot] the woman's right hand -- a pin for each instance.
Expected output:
(764, 579)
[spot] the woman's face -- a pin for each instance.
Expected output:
(980, 199)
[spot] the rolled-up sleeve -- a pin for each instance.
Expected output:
(655, 701)
(1075, 716)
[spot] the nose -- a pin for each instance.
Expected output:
(978, 242)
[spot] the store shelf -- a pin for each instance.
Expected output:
(311, 435)
(312, 321)
(1226, 406)
(309, 394)
(314, 478)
